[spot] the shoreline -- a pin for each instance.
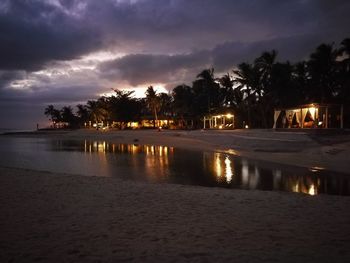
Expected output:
(308, 150)
(53, 217)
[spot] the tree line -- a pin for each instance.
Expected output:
(251, 91)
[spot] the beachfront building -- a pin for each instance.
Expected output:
(218, 121)
(149, 123)
(315, 115)
(144, 123)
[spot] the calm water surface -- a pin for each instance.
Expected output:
(166, 164)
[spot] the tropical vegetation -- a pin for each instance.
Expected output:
(251, 91)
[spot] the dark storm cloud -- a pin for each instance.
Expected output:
(7, 76)
(164, 41)
(35, 32)
(43, 96)
(139, 69)
(145, 69)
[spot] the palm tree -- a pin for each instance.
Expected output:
(153, 103)
(124, 107)
(265, 65)
(98, 110)
(206, 87)
(183, 99)
(68, 116)
(165, 101)
(227, 89)
(83, 113)
(345, 52)
(53, 113)
(322, 68)
(247, 77)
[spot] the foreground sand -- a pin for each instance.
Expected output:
(70, 218)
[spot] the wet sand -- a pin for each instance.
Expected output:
(51, 217)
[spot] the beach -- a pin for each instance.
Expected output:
(53, 217)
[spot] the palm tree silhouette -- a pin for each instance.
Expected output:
(153, 103)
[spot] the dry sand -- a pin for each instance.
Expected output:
(71, 218)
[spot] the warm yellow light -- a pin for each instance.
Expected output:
(296, 188)
(246, 126)
(228, 170)
(228, 115)
(312, 111)
(218, 169)
(312, 190)
(220, 127)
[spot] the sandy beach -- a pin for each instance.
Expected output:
(51, 217)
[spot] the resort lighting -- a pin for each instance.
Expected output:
(228, 115)
(312, 111)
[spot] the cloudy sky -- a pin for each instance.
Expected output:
(64, 52)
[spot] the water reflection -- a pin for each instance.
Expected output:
(167, 164)
(242, 173)
(162, 163)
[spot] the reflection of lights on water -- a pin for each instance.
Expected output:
(96, 146)
(295, 188)
(228, 170)
(312, 190)
(305, 187)
(277, 176)
(134, 148)
(245, 172)
(218, 165)
(223, 168)
(148, 149)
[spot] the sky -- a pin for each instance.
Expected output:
(65, 52)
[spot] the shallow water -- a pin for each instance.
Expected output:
(166, 164)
